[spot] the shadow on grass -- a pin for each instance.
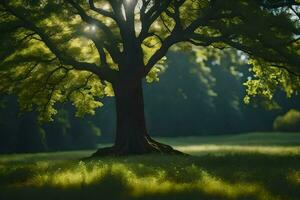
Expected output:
(228, 176)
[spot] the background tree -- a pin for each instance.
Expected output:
(288, 122)
(79, 51)
(21, 132)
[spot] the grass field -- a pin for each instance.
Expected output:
(247, 166)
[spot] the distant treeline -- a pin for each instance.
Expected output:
(189, 99)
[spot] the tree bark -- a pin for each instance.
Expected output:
(131, 135)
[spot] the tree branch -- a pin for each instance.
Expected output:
(67, 60)
(112, 47)
(149, 17)
(161, 52)
(90, 20)
(101, 11)
(294, 11)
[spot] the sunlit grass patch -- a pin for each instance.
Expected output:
(155, 177)
(203, 182)
(271, 150)
(294, 177)
(156, 181)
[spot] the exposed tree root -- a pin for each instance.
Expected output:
(149, 146)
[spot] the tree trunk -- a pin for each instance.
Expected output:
(131, 135)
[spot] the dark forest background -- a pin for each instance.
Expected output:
(185, 102)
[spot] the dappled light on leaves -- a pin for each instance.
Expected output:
(269, 79)
(105, 38)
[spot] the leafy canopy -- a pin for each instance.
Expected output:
(53, 51)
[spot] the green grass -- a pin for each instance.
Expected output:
(247, 166)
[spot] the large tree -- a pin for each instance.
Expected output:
(82, 50)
